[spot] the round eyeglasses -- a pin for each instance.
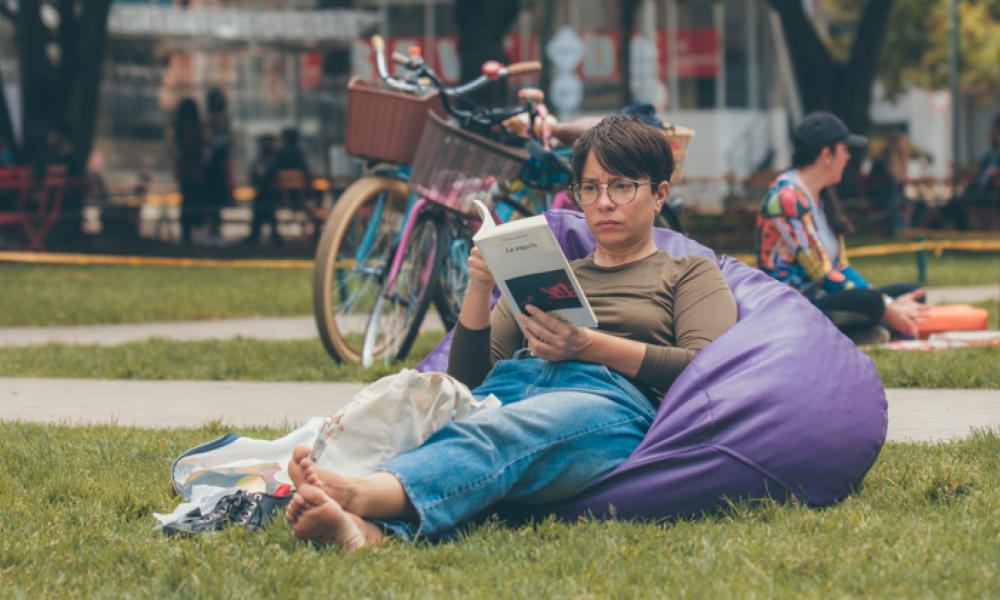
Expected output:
(620, 191)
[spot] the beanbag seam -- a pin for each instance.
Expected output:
(753, 465)
(700, 376)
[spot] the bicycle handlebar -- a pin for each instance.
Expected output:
(491, 70)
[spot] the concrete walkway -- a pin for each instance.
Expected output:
(963, 295)
(294, 328)
(914, 415)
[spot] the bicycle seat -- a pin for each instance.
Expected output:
(568, 133)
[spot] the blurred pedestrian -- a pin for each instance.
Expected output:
(264, 200)
(189, 168)
(800, 240)
(219, 176)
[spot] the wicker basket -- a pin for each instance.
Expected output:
(679, 138)
(385, 125)
(454, 167)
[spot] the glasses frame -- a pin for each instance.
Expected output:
(575, 191)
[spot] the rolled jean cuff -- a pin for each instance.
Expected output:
(406, 530)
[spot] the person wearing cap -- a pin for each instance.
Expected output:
(800, 239)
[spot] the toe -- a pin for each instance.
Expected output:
(301, 451)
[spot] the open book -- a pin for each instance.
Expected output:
(530, 268)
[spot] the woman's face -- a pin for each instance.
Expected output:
(836, 162)
(621, 226)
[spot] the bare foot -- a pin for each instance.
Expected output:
(315, 516)
(343, 489)
(295, 472)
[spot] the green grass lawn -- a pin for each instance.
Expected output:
(950, 269)
(239, 359)
(66, 295)
(76, 522)
(265, 360)
(71, 295)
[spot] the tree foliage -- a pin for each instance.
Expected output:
(916, 47)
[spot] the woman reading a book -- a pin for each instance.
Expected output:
(576, 402)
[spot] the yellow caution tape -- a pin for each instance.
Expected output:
(148, 261)
(936, 246)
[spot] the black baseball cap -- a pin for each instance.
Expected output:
(821, 129)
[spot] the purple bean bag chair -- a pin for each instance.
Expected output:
(781, 403)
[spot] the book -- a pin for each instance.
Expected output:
(530, 268)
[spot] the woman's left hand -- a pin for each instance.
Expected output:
(551, 339)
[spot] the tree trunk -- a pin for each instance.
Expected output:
(626, 24)
(39, 93)
(826, 84)
(481, 28)
(92, 36)
(6, 124)
(68, 91)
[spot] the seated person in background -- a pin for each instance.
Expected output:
(800, 240)
(984, 188)
(885, 182)
(575, 402)
(264, 199)
(288, 158)
(60, 150)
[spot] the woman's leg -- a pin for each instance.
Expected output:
(542, 449)
(853, 311)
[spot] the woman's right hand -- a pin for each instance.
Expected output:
(904, 313)
(479, 273)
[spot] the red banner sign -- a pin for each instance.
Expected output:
(698, 54)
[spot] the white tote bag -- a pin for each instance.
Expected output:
(394, 415)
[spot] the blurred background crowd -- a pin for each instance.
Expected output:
(213, 122)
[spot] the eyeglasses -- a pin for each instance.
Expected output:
(620, 191)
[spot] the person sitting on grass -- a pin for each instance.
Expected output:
(575, 402)
(800, 240)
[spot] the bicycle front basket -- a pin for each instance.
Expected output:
(385, 125)
(453, 167)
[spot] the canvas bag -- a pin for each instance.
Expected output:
(394, 415)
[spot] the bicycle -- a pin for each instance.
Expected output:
(362, 307)
(428, 238)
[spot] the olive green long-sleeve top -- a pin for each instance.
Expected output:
(676, 306)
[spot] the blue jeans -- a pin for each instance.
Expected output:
(562, 427)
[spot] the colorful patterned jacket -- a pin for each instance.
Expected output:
(789, 247)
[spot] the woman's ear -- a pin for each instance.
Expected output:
(662, 191)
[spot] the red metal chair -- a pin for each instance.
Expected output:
(37, 221)
(16, 181)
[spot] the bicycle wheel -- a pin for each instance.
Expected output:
(454, 274)
(353, 251)
(402, 303)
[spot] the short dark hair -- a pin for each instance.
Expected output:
(803, 156)
(626, 146)
(290, 136)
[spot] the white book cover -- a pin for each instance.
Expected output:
(530, 268)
